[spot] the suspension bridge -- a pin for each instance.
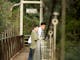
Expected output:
(15, 46)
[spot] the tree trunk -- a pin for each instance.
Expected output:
(63, 17)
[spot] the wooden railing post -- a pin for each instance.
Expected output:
(9, 45)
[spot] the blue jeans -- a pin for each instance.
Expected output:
(31, 54)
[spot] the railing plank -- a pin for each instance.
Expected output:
(9, 46)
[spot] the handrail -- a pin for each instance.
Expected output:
(9, 46)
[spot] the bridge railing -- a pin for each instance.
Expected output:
(10, 45)
(26, 37)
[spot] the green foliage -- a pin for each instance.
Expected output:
(5, 15)
(17, 1)
(7, 20)
(30, 19)
(29, 22)
(73, 8)
(72, 49)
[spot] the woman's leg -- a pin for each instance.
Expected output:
(31, 53)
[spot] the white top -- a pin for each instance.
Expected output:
(40, 32)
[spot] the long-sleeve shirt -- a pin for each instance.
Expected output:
(34, 38)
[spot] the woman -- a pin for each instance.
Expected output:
(34, 38)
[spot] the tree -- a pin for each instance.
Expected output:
(63, 17)
(5, 14)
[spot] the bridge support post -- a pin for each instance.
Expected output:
(54, 22)
(50, 44)
(21, 17)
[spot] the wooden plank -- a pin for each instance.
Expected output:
(23, 55)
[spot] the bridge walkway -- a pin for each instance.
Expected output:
(22, 55)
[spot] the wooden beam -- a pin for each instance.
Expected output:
(32, 2)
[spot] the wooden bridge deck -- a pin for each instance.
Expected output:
(22, 55)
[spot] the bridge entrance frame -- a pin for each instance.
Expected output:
(22, 2)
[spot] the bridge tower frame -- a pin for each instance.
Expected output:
(22, 2)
